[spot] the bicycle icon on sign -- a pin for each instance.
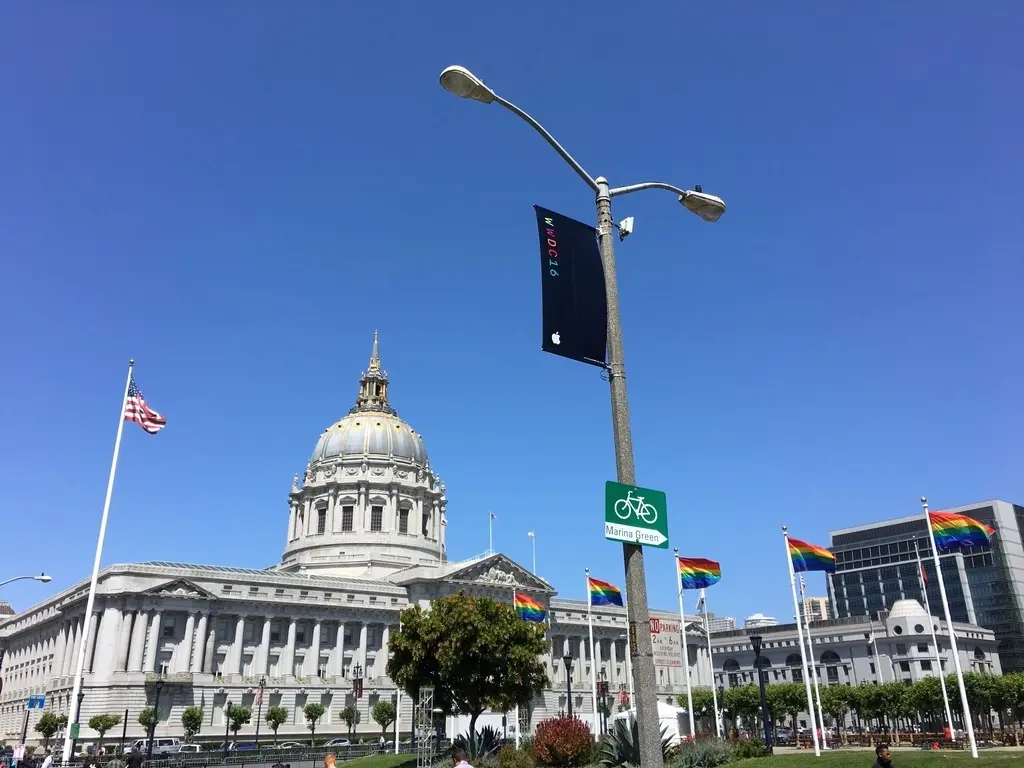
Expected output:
(634, 505)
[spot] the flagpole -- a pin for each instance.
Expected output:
(935, 640)
(398, 703)
(814, 666)
(711, 663)
(490, 533)
(952, 633)
(593, 658)
(533, 541)
(91, 601)
(682, 631)
(629, 650)
(800, 637)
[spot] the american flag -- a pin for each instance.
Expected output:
(444, 522)
(135, 409)
(493, 516)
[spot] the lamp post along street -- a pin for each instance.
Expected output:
(755, 641)
(156, 716)
(41, 577)
(567, 660)
(464, 84)
(259, 709)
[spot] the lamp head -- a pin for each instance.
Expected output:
(43, 578)
(464, 84)
(708, 207)
(755, 640)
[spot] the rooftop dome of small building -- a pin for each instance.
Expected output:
(907, 609)
(372, 427)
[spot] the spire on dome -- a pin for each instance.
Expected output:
(373, 385)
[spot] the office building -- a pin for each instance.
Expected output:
(759, 620)
(876, 566)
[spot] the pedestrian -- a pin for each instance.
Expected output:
(134, 758)
(330, 760)
(49, 759)
(882, 757)
(460, 759)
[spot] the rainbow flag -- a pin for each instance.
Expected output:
(953, 531)
(529, 609)
(697, 572)
(809, 557)
(603, 593)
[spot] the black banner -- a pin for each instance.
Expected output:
(575, 314)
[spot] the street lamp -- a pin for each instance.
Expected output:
(604, 701)
(464, 84)
(152, 723)
(723, 734)
(755, 640)
(567, 660)
(41, 577)
(259, 709)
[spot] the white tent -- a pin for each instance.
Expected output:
(672, 721)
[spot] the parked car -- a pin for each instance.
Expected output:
(338, 743)
(242, 746)
(292, 745)
(161, 746)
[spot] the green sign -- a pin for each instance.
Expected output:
(635, 515)
(75, 728)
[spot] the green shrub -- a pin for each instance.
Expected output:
(744, 749)
(526, 745)
(564, 742)
(622, 744)
(486, 741)
(703, 754)
(510, 757)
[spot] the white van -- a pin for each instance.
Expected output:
(161, 746)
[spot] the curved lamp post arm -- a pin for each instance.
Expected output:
(43, 578)
(549, 139)
(647, 185)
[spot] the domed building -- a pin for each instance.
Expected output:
(364, 539)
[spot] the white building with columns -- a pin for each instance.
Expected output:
(365, 539)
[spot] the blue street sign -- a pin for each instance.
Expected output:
(36, 702)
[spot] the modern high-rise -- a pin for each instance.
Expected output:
(720, 623)
(759, 620)
(816, 608)
(876, 565)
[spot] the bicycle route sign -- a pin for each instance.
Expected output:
(635, 515)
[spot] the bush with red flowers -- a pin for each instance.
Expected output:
(564, 742)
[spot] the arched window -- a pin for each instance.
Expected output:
(979, 654)
(830, 657)
(793, 660)
(731, 665)
(764, 663)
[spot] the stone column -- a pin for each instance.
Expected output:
(156, 628)
(211, 647)
(381, 662)
(363, 643)
(200, 651)
(307, 517)
(613, 649)
(59, 649)
(332, 501)
(292, 508)
(71, 655)
(235, 655)
(263, 654)
(339, 650)
(138, 649)
(362, 524)
(103, 664)
(90, 642)
(184, 656)
(287, 660)
(123, 642)
(313, 654)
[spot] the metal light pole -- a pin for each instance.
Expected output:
(259, 710)
(41, 577)
(567, 660)
(721, 712)
(533, 541)
(152, 723)
(755, 640)
(463, 83)
(69, 753)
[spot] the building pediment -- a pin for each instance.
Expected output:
(498, 571)
(181, 588)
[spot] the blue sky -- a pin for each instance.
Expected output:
(237, 194)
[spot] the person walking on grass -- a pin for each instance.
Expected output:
(883, 759)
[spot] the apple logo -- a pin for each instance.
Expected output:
(556, 338)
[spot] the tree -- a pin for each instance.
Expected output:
(237, 717)
(275, 717)
(191, 721)
(383, 713)
(743, 702)
(787, 699)
(313, 712)
(1013, 690)
(926, 694)
(103, 723)
(835, 700)
(63, 721)
(350, 717)
(703, 704)
(475, 652)
(47, 724)
(893, 701)
(147, 718)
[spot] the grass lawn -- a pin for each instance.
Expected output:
(865, 758)
(385, 761)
